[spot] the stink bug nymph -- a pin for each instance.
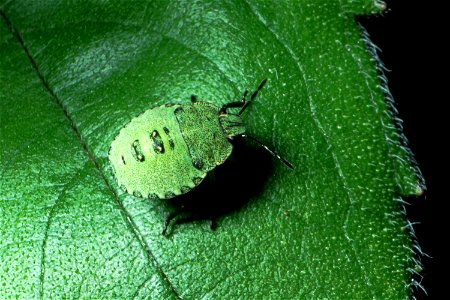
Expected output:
(169, 149)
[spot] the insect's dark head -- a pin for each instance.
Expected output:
(232, 124)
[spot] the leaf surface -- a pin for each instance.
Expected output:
(73, 75)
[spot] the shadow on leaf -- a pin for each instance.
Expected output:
(225, 190)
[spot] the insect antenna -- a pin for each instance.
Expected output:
(288, 164)
(253, 96)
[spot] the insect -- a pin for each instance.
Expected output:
(168, 150)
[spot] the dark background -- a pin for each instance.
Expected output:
(411, 35)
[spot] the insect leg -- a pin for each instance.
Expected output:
(239, 103)
(253, 96)
(244, 97)
(288, 164)
(185, 219)
(169, 219)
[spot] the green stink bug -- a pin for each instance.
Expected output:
(169, 149)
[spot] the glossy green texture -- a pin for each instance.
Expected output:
(332, 228)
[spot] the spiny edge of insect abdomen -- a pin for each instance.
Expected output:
(166, 195)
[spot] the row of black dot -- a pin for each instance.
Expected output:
(167, 195)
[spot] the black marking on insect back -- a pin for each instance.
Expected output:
(171, 143)
(123, 160)
(137, 151)
(185, 189)
(197, 180)
(158, 144)
(198, 164)
(169, 195)
(153, 196)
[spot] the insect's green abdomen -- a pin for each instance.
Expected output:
(150, 156)
(169, 149)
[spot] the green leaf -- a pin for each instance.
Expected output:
(72, 75)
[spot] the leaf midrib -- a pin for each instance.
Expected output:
(128, 220)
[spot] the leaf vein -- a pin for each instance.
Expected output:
(51, 214)
(125, 215)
